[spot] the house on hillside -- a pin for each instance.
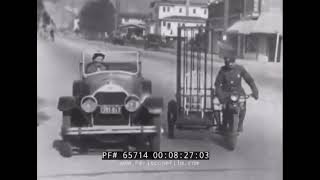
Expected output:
(133, 24)
(167, 15)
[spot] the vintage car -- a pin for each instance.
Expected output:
(111, 106)
(117, 38)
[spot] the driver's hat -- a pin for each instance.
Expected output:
(97, 54)
(226, 50)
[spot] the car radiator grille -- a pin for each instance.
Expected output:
(112, 119)
(110, 98)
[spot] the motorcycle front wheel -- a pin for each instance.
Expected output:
(232, 137)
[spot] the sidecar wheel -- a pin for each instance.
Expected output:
(171, 118)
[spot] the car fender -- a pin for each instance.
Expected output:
(79, 88)
(153, 104)
(147, 86)
(67, 103)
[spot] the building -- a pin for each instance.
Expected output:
(254, 26)
(133, 18)
(133, 24)
(167, 15)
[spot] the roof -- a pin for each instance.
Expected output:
(242, 27)
(179, 2)
(269, 23)
(214, 2)
(185, 18)
(132, 25)
(134, 15)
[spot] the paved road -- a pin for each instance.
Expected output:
(259, 151)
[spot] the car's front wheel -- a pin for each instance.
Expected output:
(65, 149)
(151, 142)
(154, 143)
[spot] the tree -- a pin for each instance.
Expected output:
(97, 16)
(40, 8)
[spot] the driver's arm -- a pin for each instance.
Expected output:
(92, 67)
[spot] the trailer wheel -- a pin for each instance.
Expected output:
(171, 118)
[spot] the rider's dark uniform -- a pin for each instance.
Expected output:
(229, 80)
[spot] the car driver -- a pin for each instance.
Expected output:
(97, 63)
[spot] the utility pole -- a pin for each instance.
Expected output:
(226, 16)
(187, 7)
(116, 15)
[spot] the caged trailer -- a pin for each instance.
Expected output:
(195, 105)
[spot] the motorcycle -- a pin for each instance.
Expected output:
(229, 113)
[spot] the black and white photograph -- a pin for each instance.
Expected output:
(159, 89)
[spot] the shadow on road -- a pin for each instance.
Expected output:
(218, 140)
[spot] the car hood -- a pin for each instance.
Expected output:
(116, 81)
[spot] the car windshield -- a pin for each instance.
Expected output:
(98, 62)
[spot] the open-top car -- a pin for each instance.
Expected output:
(111, 105)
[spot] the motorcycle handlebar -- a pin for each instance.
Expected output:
(247, 96)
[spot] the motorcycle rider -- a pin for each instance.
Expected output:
(229, 79)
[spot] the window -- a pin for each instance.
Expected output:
(252, 6)
(164, 9)
(126, 19)
(168, 26)
(205, 11)
(171, 32)
(180, 10)
(164, 23)
(194, 11)
(168, 9)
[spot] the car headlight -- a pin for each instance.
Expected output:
(132, 103)
(234, 97)
(89, 104)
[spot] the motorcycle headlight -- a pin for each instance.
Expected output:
(89, 104)
(234, 97)
(132, 103)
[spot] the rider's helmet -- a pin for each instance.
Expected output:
(226, 50)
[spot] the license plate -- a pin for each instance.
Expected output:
(110, 109)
